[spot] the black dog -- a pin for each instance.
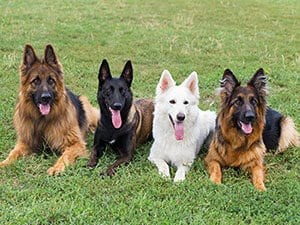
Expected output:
(124, 123)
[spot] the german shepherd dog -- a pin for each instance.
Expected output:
(245, 128)
(124, 123)
(48, 114)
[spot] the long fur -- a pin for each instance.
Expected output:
(266, 129)
(64, 128)
(230, 146)
(173, 103)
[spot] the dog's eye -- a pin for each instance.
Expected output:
(172, 101)
(108, 91)
(122, 91)
(253, 101)
(185, 102)
(238, 101)
(51, 81)
(36, 81)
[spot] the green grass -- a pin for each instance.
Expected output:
(181, 36)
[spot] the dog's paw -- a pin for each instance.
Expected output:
(179, 177)
(260, 186)
(55, 170)
(110, 171)
(91, 164)
(215, 179)
(164, 172)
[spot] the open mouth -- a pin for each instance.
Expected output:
(178, 128)
(116, 118)
(44, 109)
(246, 127)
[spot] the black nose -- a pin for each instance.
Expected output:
(249, 116)
(117, 106)
(180, 117)
(45, 97)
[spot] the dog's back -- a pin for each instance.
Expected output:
(144, 109)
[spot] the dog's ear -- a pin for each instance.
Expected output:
(104, 72)
(50, 58)
(191, 82)
(127, 73)
(165, 82)
(228, 82)
(259, 82)
(29, 58)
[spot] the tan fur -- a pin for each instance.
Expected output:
(230, 148)
(144, 108)
(289, 135)
(59, 130)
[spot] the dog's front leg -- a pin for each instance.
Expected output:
(21, 149)
(125, 147)
(99, 147)
(68, 157)
(215, 171)
(258, 177)
(181, 171)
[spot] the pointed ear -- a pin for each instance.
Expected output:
(29, 58)
(229, 82)
(50, 57)
(127, 73)
(165, 82)
(191, 82)
(104, 72)
(259, 82)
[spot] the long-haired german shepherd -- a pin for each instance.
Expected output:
(246, 127)
(48, 114)
(124, 124)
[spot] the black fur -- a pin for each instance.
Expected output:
(272, 130)
(113, 93)
(81, 118)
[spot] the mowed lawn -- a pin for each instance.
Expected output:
(182, 36)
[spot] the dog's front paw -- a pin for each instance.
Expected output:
(179, 177)
(110, 171)
(215, 179)
(3, 164)
(92, 163)
(55, 170)
(260, 186)
(164, 172)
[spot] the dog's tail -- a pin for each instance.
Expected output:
(289, 135)
(92, 114)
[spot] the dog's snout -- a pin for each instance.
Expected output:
(117, 106)
(249, 116)
(45, 97)
(180, 117)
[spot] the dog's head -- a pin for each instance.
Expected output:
(245, 104)
(177, 103)
(114, 94)
(41, 80)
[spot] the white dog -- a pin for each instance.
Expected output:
(179, 126)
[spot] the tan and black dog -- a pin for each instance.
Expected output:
(245, 128)
(125, 123)
(48, 114)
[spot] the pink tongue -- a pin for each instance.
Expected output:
(247, 128)
(179, 131)
(116, 118)
(44, 109)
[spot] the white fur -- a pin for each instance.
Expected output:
(166, 150)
